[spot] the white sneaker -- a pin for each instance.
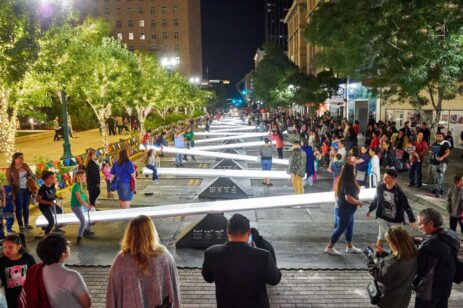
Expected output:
(332, 252)
(353, 250)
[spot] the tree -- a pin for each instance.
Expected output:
(18, 50)
(407, 50)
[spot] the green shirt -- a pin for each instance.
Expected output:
(77, 188)
(189, 136)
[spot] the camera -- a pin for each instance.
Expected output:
(368, 252)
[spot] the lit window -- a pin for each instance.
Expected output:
(119, 36)
(164, 23)
(142, 36)
(142, 23)
(164, 35)
(176, 35)
(130, 36)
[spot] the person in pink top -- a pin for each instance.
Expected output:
(277, 136)
(106, 169)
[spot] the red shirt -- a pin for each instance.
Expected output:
(279, 142)
(374, 143)
(356, 128)
(421, 149)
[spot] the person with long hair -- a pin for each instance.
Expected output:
(92, 170)
(18, 175)
(80, 204)
(397, 270)
(150, 163)
(144, 273)
(13, 267)
(124, 172)
(347, 201)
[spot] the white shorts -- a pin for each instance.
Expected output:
(384, 226)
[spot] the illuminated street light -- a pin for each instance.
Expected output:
(195, 80)
(170, 63)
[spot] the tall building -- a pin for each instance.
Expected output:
(296, 19)
(167, 28)
(275, 28)
(312, 67)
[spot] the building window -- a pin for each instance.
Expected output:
(140, 10)
(119, 36)
(177, 47)
(164, 48)
(164, 23)
(152, 10)
(129, 24)
(153, 36)
(175, 22)
(142, 23)
(176, 35)
(129, 11)
(175, 10)
(142, 36)
(118, 11)
(164, 10)
(164, 35)
(118, 24)
(106, 11)
(153, 23)
(130, 36)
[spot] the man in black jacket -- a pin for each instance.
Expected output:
(436, 261)
(240, 272)
(390, 203)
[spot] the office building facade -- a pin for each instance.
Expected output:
(276, 30)
(166, 28)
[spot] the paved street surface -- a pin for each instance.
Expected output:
(299, 236)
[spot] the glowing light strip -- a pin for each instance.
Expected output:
(215, 207)
(235, 129)
(198, 172)
(237, 134)
(242, 136)
(215, 154)
(232, 145)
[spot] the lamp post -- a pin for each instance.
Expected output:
(170, 63)
(66, 145)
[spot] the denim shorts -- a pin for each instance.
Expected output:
(266, 164)
(124, 191)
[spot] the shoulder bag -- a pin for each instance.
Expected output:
(375, 291)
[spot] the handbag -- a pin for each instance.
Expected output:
(114, 185)
(375, 291)
(31, 184)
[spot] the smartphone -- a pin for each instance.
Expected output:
(250, 240)
(368, 252)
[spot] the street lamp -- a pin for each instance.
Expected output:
(170, 63)
(195, 80)
(31, 120)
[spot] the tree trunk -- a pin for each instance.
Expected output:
(104, 132)
(7, 124)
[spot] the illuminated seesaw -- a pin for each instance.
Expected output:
(216, 207)
(235, 129)
(200, 172)
(232, 137)
(232, 145)
(196, 152)
(237, 134)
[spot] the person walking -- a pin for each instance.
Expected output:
(397, 270)
(310, 163)
(144, 273)
(374, 170)
(64, 287)
(390, 203)
(436, 261)
(119, 124)
(440, 151)
(106, 170)
(150, 163)
(179, 142)
(347, 201)
(417, 157)
(80, 205)
(240, 272)
(277, 136)
(361, 166)
(110, 122)
(189, 141)
(13, 267)
(455, 204)
(21, 180)
(266, 153)
(92, 170)
(46, 198)
(124, 173)
(297, 167)
(57, 128)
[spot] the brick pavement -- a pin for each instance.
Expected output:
(298, 288)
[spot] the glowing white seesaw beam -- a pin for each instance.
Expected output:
(222, 126)
(235, 129)
(232, 137)
(232, 145)
(195, 152)
(200, 172)
(213, 207)
(237, 134)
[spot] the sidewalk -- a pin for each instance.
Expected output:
(42, 144)
(298, 288)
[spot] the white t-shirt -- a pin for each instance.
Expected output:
(63, 285)
(23, 179)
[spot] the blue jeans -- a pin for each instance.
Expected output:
(80, 212)
(155, 171)
(415, 173)
(344, 224)
(178, 159)
(22, 198)
(266, 164)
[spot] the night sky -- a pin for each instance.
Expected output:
(232, 30)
